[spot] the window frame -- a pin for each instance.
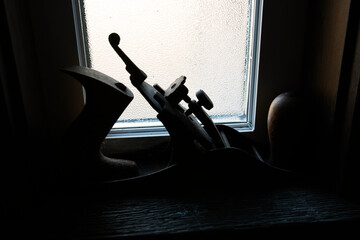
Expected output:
(158, 131)
(278, 70)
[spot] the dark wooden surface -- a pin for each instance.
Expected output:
(162, 216)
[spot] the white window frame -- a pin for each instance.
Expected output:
(154, 131)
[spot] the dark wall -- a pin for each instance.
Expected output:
(284, 30)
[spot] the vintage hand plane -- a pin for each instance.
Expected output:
(202, 150)
(202, 153)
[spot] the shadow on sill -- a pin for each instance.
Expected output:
(166, 212)
(302, 209)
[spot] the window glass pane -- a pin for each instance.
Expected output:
(208, 41)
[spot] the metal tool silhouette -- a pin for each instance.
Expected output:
(200, 149)
(182, 124)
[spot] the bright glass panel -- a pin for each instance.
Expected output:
(208, 41)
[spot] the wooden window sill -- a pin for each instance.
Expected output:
(303, 209)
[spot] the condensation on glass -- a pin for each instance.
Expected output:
(211, 42)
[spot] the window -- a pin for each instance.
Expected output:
(215, 44)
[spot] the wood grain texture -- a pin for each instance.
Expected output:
(100, 217)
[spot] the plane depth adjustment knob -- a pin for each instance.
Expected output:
(204, 100)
